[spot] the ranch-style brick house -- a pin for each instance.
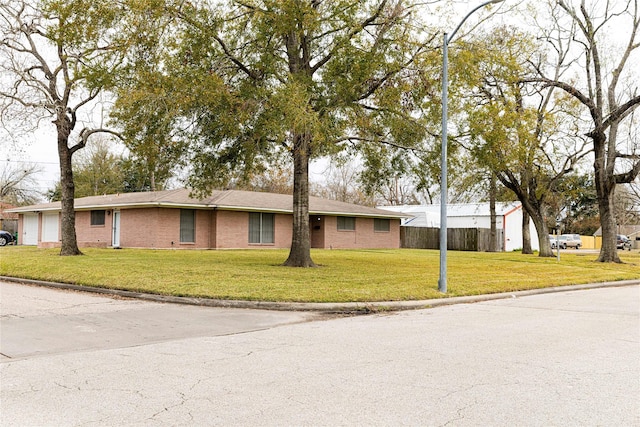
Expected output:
(228, 219)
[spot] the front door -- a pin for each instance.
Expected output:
(316, 223)
(116, 229)
(30, 229)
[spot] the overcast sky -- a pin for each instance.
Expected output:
(40, 146)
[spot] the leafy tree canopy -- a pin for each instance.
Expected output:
(257, 81)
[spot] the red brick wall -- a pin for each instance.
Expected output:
(213, 234)
(138, 228)
(364, 237)
(93, 235)
(232, 231)
(167, 229)
(284, 231)
(160, 228)
(203, 229)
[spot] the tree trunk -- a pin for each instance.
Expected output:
(300, 253)
(526, 233)
(69, 244)
(535, 209)
(152, 180)
(605, 190)
(608, 251)
(543, 233)
(300, 69)
(493, 233)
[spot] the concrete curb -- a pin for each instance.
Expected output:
(346, 307)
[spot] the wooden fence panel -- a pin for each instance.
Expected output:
(458, 239)
(462, 239)
(484, 236)
(420, 238)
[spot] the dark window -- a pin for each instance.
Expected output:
(381, 224)
(187, 225)
(97, 217)
(346, 223)
(261, 227)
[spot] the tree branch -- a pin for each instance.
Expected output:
(630, 176)
(367, 22)
(377, 141)
(227, 52)
(621, 112)
(86, 133)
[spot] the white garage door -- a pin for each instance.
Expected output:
(30, 230)
(50, 227)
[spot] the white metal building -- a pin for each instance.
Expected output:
(472, 215)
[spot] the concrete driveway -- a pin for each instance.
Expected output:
(555, 359)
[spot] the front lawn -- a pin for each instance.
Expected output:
(344, 275)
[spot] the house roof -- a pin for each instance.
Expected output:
(627, 230)
(5, 211)
(219, 199)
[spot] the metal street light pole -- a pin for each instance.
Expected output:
(444, 191)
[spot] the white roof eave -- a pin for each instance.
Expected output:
(390, 215)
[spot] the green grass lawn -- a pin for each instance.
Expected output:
(343, 275)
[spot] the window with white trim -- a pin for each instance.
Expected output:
(346, 223)
(261, 227)
(97, 217)
(381, 224)
(187, 226)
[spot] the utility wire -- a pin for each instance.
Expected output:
(29, 161)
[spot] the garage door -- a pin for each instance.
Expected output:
(50, 227)
(30, 230)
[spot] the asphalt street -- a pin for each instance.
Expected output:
(41, 321)
(563, 359)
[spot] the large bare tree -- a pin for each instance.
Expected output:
(517, 130)
(607, 88)
(55, 57)
(18, 183)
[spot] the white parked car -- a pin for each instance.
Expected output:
(623, 242)
(556, 241)
(571, 240)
